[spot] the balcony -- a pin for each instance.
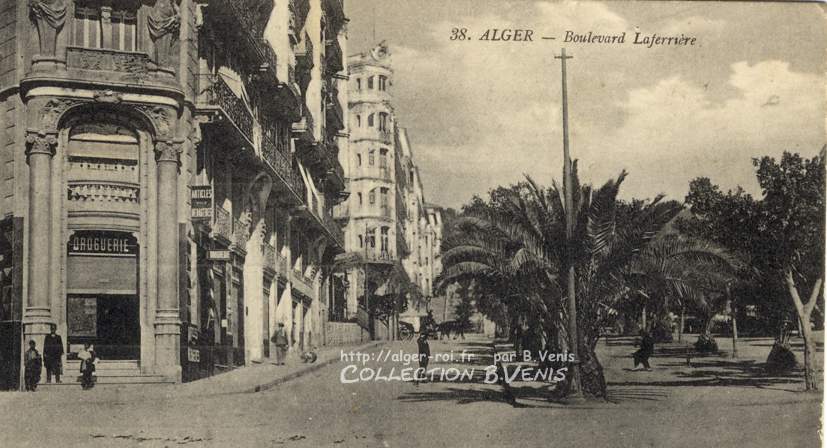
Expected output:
(320, 218)
(269, 253)
(222, 225)
(379, 256)
(304, 62)
(219, 100)
(126, 65)
(303, 284)
(245, 20)
(333, 111)
(335, 12)
(279, 159)
(333, 56)
(241, 233)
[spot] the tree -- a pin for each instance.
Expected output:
(464, 309)
(792, 229)
(516, 245)
(676, 272)
(781, 237)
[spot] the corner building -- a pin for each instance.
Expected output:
(168, 170)
(385, 218)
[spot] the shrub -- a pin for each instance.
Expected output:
(706, 344)
(781, 358)
(662, 332)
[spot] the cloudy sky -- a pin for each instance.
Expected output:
(481, 113)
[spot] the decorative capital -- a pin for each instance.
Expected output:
(168, 151)
(40, 142)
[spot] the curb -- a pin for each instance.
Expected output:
(310, 368)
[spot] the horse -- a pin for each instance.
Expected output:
(451, 326)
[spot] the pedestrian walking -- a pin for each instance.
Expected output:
(647, 347)
(424, 353)
(88, 360)
(33, 366)
(280, 340)
(53, 355)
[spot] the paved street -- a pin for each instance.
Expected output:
(716, 402)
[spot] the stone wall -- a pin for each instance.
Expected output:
(345, 333)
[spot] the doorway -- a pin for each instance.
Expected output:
(110, 322)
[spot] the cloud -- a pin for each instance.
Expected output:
(675, 132)
(481, 114)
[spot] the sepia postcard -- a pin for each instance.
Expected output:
(405, 223)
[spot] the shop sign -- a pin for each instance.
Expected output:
(218, 255)
(103, 243)
(201, 201)
(193, 355)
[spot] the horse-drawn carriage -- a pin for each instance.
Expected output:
(406, 331)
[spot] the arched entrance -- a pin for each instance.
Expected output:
(102, 175)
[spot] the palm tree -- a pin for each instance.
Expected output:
(676, 272)
(520, 248)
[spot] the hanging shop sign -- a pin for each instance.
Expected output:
(103, 243)
(202, 201)
(193, 355)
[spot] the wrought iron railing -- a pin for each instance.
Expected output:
(269, 256)
(223, 223)
(333, 55)
(380, 255)
(218, 94)
(241, 232)
(279, 158)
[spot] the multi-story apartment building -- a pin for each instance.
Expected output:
(384, 219)
(168, 172)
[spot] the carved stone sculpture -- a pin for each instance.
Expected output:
(164, 21)
(49, 17)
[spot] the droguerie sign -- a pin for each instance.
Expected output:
(103, 243)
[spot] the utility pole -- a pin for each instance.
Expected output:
(574, 391)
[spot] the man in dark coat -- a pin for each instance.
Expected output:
(647, 347)
(33, 366)
(53, 355)
(281, 342)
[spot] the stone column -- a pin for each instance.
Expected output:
(167, 321)
(40, 148)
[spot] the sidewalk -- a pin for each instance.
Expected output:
(262, 376)
(254, 378)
